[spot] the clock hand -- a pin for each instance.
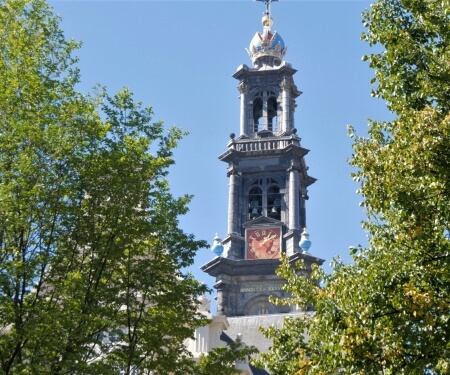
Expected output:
(270, 238)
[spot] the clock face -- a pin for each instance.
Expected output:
(263, 243)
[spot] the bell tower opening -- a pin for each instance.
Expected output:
(264, 199)
(255, 202)
(272, 113)
(265, 111)
(274, 202)
(257, 114)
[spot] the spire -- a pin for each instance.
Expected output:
(267, 48)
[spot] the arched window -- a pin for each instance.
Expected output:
(264, 199)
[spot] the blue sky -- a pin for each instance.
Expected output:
(178, 56)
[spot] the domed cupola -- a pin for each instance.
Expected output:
(267, 48)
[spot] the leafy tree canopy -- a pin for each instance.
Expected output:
(222, 360)
(90, 249)
(389, 311)
(412, 69)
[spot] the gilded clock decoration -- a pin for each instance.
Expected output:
(263, 243)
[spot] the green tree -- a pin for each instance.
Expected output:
(222, 360)
(90, 249)
(389, 311)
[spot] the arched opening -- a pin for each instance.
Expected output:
(260, 305)
(255, 204)
(264, 199)
(274, 202)
(257, 114)
(272, 111)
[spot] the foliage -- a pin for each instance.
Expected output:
(90, 248)
(412, 70)
(389, 311)
(222, 360)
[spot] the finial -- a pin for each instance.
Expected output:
(267, 19)
(217, 247)
(267, 49)
(305, 242)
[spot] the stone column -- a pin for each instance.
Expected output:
(243, 88)
(233, 202)
(285, 87)
(294, 198)
(221, 300)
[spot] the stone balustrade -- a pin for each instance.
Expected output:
(263, 144)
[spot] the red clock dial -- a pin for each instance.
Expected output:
(263, 243)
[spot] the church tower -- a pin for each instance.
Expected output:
(268, 184)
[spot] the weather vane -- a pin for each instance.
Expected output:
(267, 13)
(267, 2)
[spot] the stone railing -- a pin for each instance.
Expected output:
(263, 144)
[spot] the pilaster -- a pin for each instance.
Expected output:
(243, 89)
(294, 197)
(285, 86)
(233, 201)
